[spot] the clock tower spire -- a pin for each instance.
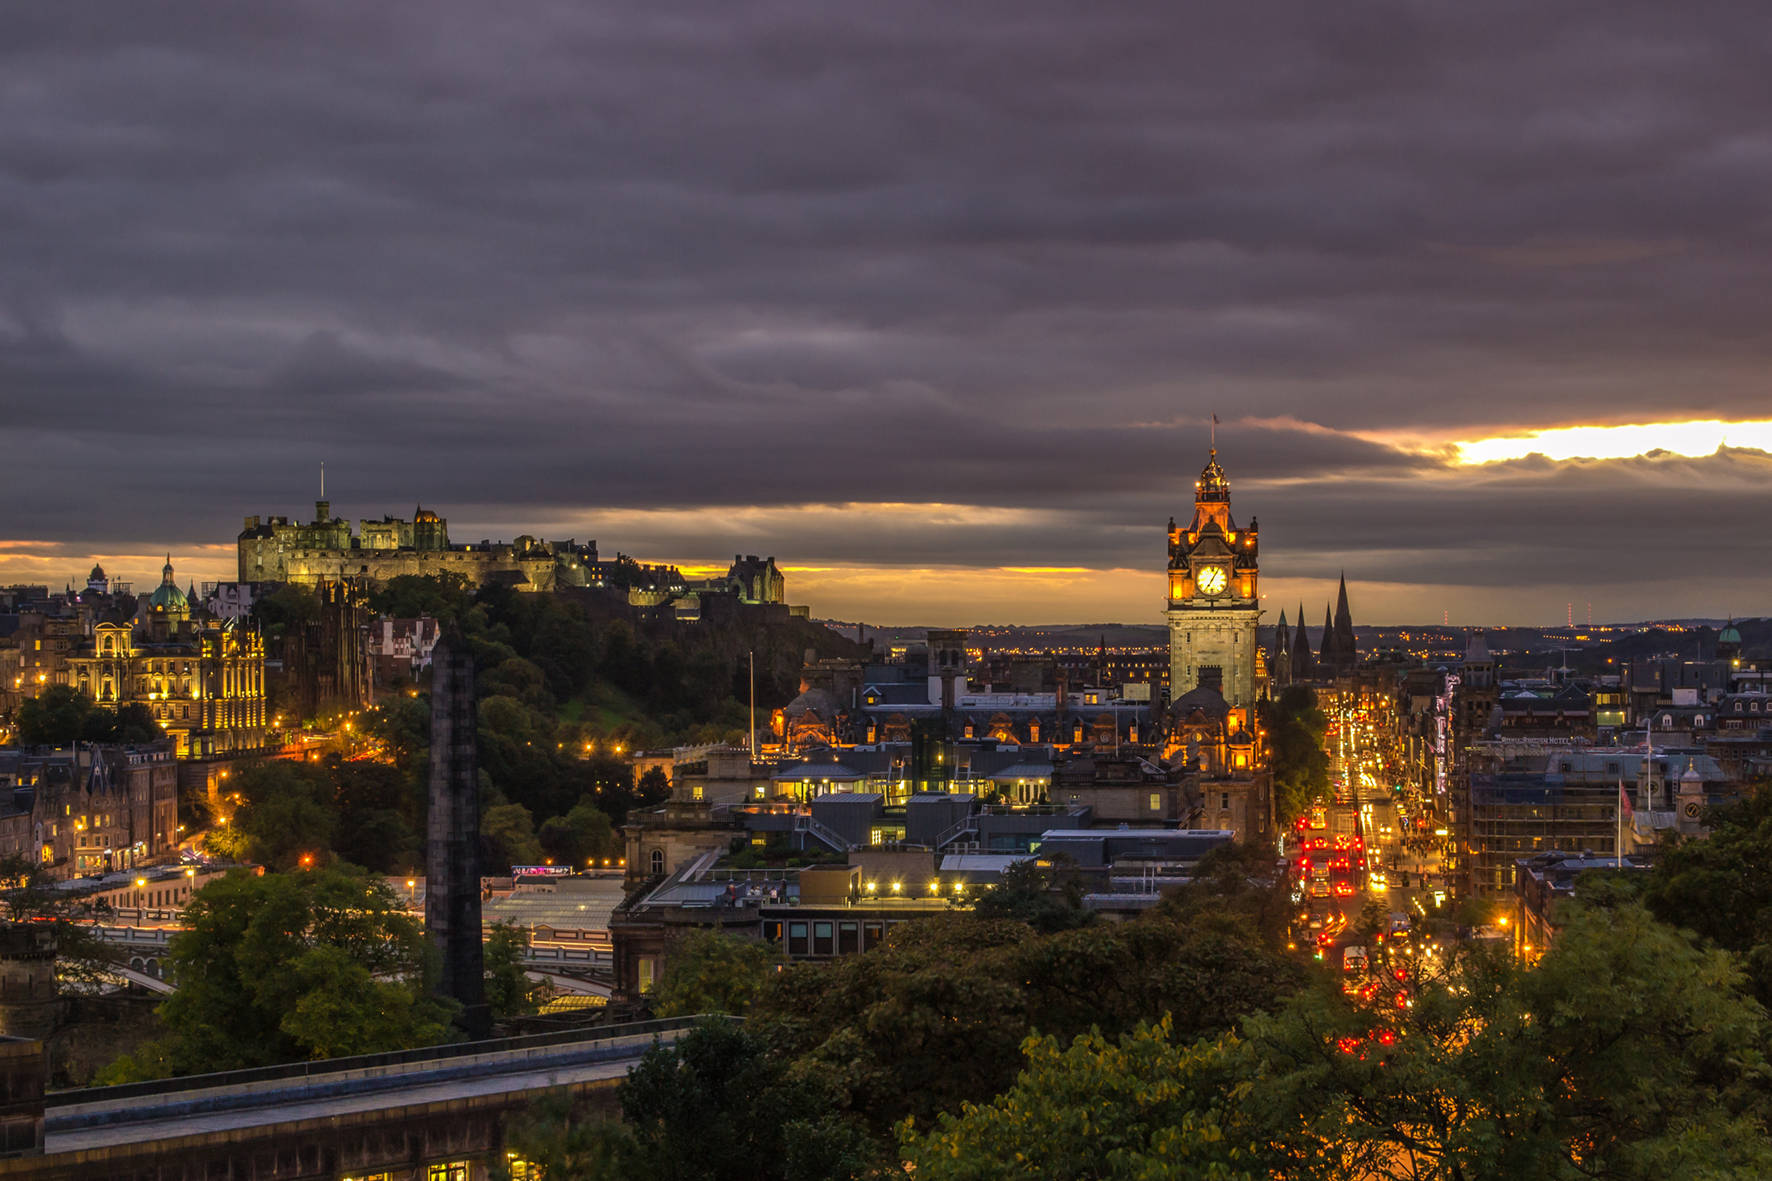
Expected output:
(1214, 603)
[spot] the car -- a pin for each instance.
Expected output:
(1319, 889)
(1353, 959)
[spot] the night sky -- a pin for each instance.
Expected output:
(932, 301)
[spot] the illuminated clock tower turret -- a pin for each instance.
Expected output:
(1214, 602)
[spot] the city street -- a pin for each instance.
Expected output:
(1369, 843)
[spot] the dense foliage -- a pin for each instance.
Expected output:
(1721, 886)
(1628, 1052)
(1178, 1046)
(286, 966)
(1295, 727)
(712, 1106)
(62, 716)
(710, 972)
(568, 689)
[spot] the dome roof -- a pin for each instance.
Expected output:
(817, 701)
(98, 571)
(1729, 635)
(167, 598)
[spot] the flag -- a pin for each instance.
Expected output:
(1624, 801)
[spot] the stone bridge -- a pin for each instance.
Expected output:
(417, 1115)
(580, 961)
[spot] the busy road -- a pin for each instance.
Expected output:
(1364, 859)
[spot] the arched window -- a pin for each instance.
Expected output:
(658, 861)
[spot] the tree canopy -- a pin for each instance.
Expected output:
(287, 966)
(62, 715)
(712, 972)
(1627, 1052)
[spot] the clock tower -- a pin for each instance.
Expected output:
(1214, 603)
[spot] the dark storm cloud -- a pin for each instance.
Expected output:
(537, 264)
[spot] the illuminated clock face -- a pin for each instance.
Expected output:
(1211, 580)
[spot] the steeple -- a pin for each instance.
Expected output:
(1344, 619)
(1326, 653)
(1301, 651)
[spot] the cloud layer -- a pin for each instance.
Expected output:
(693, 278)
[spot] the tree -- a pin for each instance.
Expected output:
(509, 990)
(652, 788)
(937, 1017)
(1301, 767)
(286, 814)
(710, 1107)
(59, 716)
(378, 814)
(570, 1138)
(1719, 886)
(281, 967)
(581, 837)
(508, 832)
(1628, 1052)
(1144, 1108)
(1029, 894)
(712, 972)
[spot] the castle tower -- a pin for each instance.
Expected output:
(452, 847)
(1214, 604)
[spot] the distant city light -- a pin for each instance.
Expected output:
(1691, 439)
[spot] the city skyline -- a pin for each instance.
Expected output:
(936, 307)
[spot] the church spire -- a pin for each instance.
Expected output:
(1301, 650)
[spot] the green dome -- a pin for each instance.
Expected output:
(1729, 635)
(167, 598)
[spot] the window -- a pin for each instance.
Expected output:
(658, 861)
(1224, 800)
(797, 938)
(822, 943)
(1156, 801)
(455, 1170)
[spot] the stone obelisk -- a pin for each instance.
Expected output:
(452, 847)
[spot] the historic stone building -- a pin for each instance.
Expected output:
(276, 549)
(204, 681)
(91, 809)
(1214, 603)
